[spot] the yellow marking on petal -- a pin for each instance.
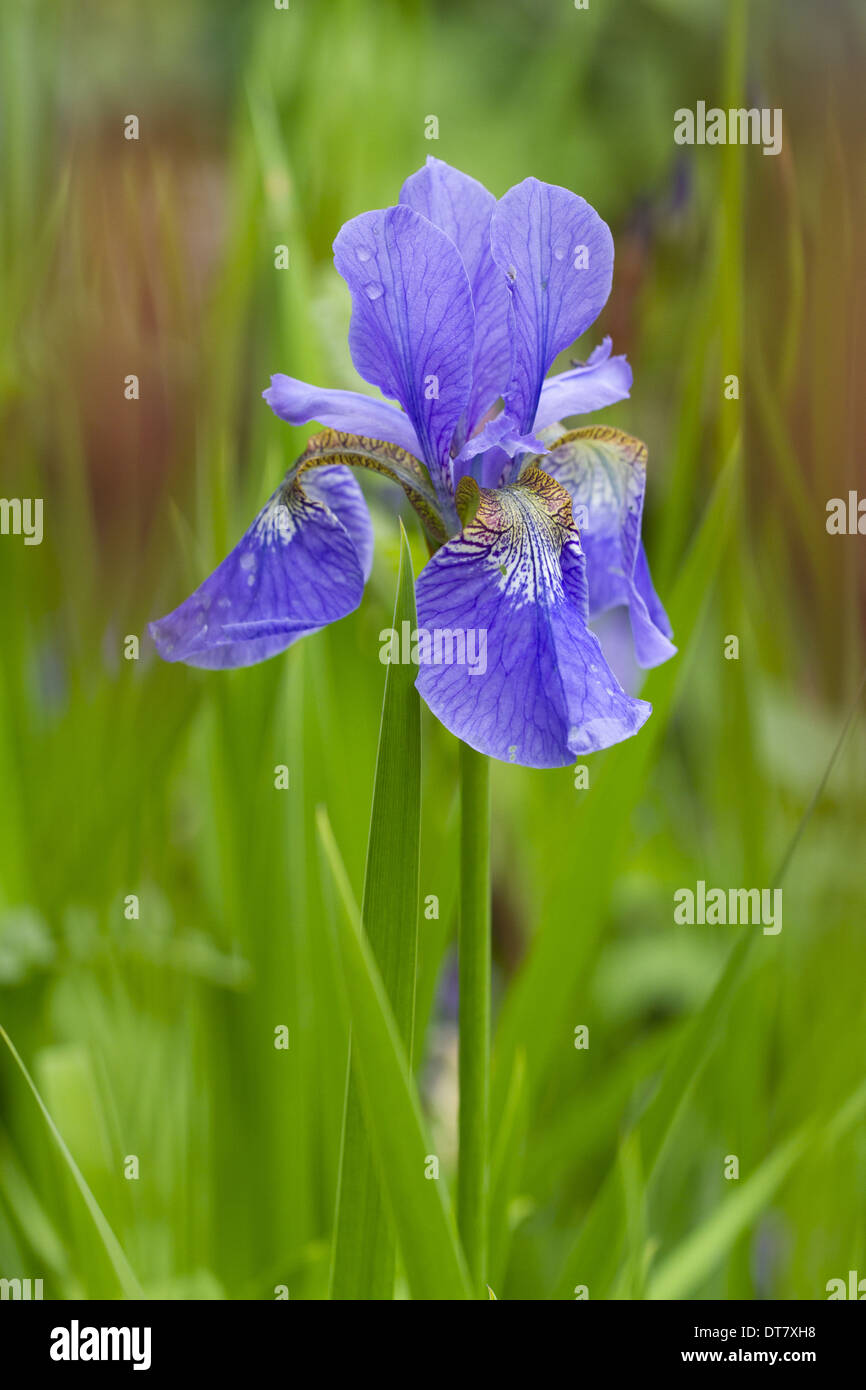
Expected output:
(507, 524)
(332, 448)
(634, 450)
(467, 499)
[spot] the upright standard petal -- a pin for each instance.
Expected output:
(462, 208)
(412, 323)
(557, 256)
(599, 381)
(538, 691)
(301, 565)
(297, 403)
(604, 472)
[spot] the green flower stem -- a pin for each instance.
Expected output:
(474, 1011)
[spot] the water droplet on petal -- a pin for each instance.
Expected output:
(373, 290)
(363, 254)
(559, 252)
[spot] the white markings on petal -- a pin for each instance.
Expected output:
(526, 552)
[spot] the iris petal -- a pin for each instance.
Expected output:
(601, 380)
(499, 437)
(604, 472)
(339, 491)
(646, 589)
(462, 208)
(297, 402)
(355, 451)
(412, 325)
(300, 565)
(557, 255)
(516, 575)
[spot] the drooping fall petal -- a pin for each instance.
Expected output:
(604, 472)
(539, 691)
(301, 565)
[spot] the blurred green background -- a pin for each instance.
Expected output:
(154, 1036)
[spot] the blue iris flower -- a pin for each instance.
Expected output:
(460, 306)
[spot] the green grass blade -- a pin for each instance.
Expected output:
(683, 1271)
(364, 1250)
(700, 1253)
(597, 1246)
(506, 1169)
(30, 1217)
(423, 1222)
(122, 1268)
